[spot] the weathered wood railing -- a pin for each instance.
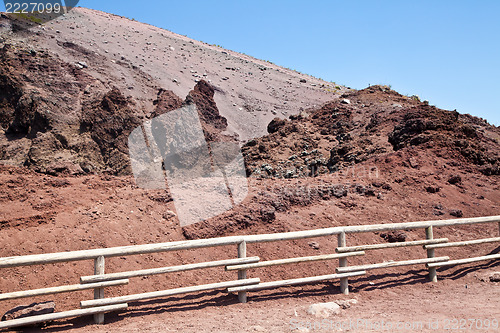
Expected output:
(242, 265)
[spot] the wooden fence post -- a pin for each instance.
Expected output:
(429, 234)
(242, 273)
(99, 292)
(344, 282)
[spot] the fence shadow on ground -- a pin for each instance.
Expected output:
(219, 298)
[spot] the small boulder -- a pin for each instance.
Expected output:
(456, 213)
(345, 101)
(456, 179)
(314, 245)
(275, 125)
(365, 190)
(413, 162)
(495, 277)
(339, 191)
(169, 215)
(394, 236)
(345, 304)
(324, 310)
(432, 189)
(438, 212)
(387, 187)
(64, 168)
(268, 214)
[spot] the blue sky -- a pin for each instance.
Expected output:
(447, 52)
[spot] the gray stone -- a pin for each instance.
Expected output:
(324, 310)
(345, 304)
(433, 189)
(314, 245)
(495, 277)
(169, 215)
(413, 162)
(456, 179)
(456, 213)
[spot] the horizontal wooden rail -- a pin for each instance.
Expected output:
(164, 270)
(60, 315)
(390, 264)
(49, 258)
(464, 243)
(366, 228)
(166, 293)
(293, 260)
(292, 282)
(389, 245)
(59, 290)
(464, 261)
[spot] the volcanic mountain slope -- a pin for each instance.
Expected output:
(71, 91)
(372, 156)
(367, 123)
(60, 119)
(140, 59)
(373, 149)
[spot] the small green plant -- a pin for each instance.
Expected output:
(30, 18)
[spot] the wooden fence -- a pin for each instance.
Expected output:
(99, 280)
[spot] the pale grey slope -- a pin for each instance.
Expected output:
(140, 59)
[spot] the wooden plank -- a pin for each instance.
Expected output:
(389, 245)
(99, 292)
(292, 282)
(464, 243)
(344, 282)
(242, 273)
(390, 264)
(60, 315)
(166, 293)
(464, 261)
(294, 260)
(420, 225)
(59, 290)
(164, 270)
(429, 234)
(51, 258)
(367, 228)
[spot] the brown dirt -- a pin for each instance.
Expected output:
(75, 213)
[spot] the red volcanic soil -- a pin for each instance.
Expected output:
(342, 157)
(42, 214)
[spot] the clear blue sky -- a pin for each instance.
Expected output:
(447, 52)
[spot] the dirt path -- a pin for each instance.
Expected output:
(464, 296)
